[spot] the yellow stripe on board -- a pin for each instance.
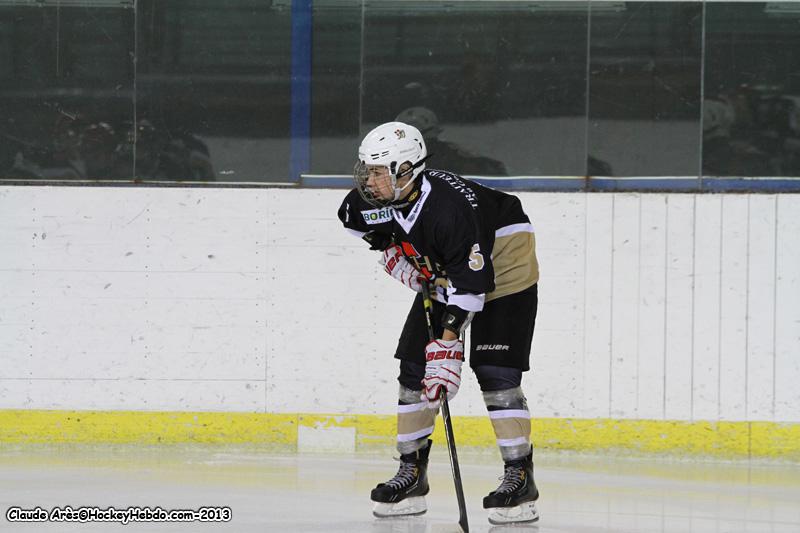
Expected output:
(20, 426)
(717, 439)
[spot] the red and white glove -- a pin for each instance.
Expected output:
(443, 361)
(396, 265)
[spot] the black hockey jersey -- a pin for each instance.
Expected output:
(476, 243)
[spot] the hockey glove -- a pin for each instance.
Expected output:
(397, 266)
(442, 369)
(377, 241)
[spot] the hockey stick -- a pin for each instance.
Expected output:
(448, 424)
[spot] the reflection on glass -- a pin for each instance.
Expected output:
(446, 154)
(751, 111)
(335, 85)
(213, 90)
(66, 78)
(644, 102)
(503, 81)
(202, 90)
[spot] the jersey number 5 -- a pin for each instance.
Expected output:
(475, 257)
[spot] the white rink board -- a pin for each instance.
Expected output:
(657, 306)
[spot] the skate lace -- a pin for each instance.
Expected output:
(405, 476)
(513, 478)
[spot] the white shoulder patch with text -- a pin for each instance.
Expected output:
(377, 216)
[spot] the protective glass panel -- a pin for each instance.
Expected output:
(66, 90)
(751, 111)
(259, 91)
(335, 85)
(213, 90)
(497, 88)
(644, 88)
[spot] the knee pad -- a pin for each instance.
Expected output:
(408, 396)
(505, 399)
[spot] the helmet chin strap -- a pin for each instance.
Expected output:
(398, 192)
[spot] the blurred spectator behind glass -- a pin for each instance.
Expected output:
(725, 154)
(100, 153)
(777, 133)
(76, 148)
(168, 155)
(58, 158)
(446, 155)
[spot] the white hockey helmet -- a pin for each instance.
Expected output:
(390, 145)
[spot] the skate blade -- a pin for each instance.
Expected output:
(408, 507)
(525, 512)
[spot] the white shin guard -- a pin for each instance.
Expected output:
(408, 507)
(414, 416)
(505, 406)
(525, 512)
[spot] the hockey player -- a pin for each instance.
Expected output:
(476, 247)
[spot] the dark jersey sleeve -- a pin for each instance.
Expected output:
(363, 220)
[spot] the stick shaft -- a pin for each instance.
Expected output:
(451, 447)
(448, 424)
(428, 305)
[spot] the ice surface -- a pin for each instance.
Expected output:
(330, 493)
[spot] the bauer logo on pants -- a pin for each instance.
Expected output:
(501, 347)
(377, 216)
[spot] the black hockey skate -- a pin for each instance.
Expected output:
(404, 494)
(514, 500)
